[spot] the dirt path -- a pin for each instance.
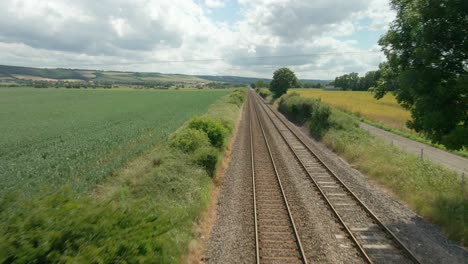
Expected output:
(454, 162)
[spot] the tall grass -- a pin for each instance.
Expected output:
(144, 213)
(385, 113)
(430, 189)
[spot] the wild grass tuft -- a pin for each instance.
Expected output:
(144, 213)
(431, 190)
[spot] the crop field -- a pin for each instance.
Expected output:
(52, 137)
(386, 110)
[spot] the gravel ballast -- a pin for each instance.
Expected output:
(425, 240)
(232, 238)
(323, 238)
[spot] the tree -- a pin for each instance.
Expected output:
(261, 84)
(427, 52)
(283, 79)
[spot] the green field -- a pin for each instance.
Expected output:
(52, 137)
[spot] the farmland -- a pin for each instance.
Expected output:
(385, 111)
(78, 137)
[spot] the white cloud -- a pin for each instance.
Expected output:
(107, 33)
(214, 3)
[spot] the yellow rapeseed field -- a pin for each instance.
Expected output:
(386, 110)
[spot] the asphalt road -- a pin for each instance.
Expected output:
(454, 162)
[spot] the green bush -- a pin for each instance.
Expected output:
(306, 110)
(213, 128)
(237, 96)
(207, 157)
(189, 139)
(264, 92)
(228, 125)
(319, 122)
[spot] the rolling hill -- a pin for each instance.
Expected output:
(17, 73)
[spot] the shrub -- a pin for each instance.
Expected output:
(207, 157)
(228, 125)
(297, 108)
(213, 128)
(319, 122)
(264, 92)
(237, 97)
(189, 139)
(306, 110)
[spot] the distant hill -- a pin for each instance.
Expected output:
(232, 79)
(28, 73)
(13, 73)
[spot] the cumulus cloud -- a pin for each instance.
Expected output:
(214, 3)
(296, 19)
(139, 34)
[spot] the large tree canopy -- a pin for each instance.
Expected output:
(283, 79)
(427, 52)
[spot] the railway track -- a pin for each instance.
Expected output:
(375, 241)
(276, 237)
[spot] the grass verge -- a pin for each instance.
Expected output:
(144, 214)
(430, 189)
(462, 152)
(384, 113)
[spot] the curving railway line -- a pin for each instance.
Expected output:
(277, 238)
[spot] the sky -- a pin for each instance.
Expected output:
(317, 39)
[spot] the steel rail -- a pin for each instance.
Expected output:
(298, 240)
(397, 241)
(257, 253)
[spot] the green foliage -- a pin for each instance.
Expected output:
(143, 214)
(319, 121)
(309, 110)
(148, 221)
(188, 139)
(426, 48)
(283, 79)
(353, 82)
(237, 96)
(431, 190)
(342, 121)
(261, 84)
(207, 157)
(80, 137)
(213, 128)
(264, 92)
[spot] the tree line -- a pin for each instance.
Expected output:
(426, 68)
(353, 82)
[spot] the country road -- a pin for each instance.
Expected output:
(454, 162)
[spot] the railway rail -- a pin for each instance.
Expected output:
(276, 236)
(374, 240)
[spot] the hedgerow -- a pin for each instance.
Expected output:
(189, 139)
(264, 92)
(213, 128)
(310, 110)
(237, 97)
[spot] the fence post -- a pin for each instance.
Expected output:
(422, 154)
